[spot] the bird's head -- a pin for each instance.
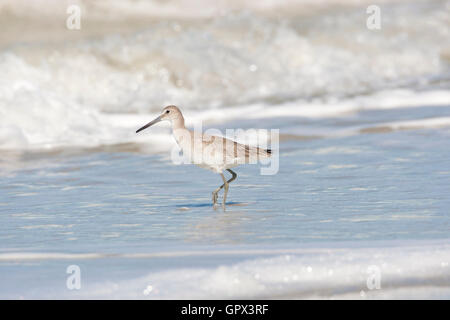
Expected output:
(169, 113)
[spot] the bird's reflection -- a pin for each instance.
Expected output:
(220, 227)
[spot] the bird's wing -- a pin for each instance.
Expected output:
(231, 151)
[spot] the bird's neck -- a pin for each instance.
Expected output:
(178, 123)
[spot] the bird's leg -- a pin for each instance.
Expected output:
(231, 179)
(234, 175)
(215, 193)
(214, 196)
(225, 183)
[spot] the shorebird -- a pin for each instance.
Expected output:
(210, 152)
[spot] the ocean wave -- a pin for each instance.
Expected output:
(416, 270)
(26, 127)
(234, 60)
(89, 92)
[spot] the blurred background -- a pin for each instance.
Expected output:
(364, 120)
(62, 87)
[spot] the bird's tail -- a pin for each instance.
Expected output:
(264, 152)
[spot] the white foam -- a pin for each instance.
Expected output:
(119, 9)
(90, 92)
(418, 270)
(68, 124)
(41, 256)
(437, 122)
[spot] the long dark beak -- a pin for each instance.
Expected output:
(149, 124)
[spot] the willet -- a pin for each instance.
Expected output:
(210, 152)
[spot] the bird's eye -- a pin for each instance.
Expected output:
(167, 111)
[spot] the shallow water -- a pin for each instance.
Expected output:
(371, 186)
(364, 190)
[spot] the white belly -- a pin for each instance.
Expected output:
(208, 156)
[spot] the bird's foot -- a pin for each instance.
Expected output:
(214, 198)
